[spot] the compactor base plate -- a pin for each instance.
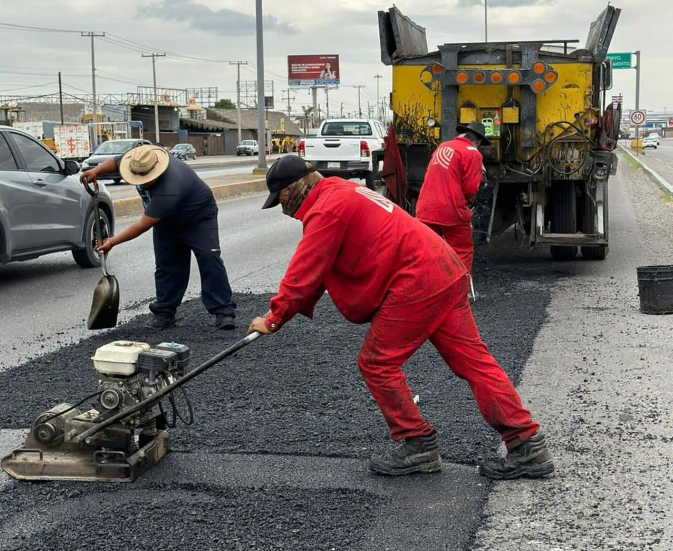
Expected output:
(84, 464)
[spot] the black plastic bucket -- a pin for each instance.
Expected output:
(656, 289)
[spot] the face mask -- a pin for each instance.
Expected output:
(297, 193)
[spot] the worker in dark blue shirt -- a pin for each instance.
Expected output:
(183, 213)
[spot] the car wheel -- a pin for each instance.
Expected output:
(88, 257)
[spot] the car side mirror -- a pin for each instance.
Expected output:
(70, 168)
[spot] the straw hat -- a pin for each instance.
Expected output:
(143, 164)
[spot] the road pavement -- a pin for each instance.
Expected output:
(661, 159)
(277, 459)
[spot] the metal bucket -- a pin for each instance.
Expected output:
(656, 289)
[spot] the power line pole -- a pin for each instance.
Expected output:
(238, 94)
(288, 98)
(342, 110)
(359, 87)
(260, 85)
(327, 102)
(60, 96)
(94, 106)
(154, 57)
(378, 99)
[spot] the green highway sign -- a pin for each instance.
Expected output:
(620, 61)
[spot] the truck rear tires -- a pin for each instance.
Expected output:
(595, 253)
(564, 217)
(369, 180)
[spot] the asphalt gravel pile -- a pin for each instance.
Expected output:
(299, 391)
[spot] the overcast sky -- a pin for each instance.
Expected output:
(224, 29)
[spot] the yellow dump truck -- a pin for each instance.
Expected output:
(543, 104)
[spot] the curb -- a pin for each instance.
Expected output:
(132, 206)
(653, 175)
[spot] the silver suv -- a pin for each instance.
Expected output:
(43, 207)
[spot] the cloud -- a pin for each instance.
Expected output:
(223, 21)
(503, 3)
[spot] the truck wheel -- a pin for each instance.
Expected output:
(595, 253)
(564, 210)
(369, 180)
(88, 257)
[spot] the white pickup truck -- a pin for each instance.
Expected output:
(344, 147)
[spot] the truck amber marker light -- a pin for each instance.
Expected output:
(479, 77)
(538, 86)
(550, 77)
(514, 77)
(539, 67)
(462, 77)
(496, 77)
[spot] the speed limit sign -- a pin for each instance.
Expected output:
(637, 118)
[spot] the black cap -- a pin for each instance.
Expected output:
(476, 128)
(283, 172)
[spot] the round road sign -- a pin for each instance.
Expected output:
(637, 118)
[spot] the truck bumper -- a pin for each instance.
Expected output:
(346, 169)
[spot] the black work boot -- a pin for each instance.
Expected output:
(222, 321)
(415, 455)
(160, 322)
(530, 460)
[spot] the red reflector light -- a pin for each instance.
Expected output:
(479, 77)
(301, 149)
(364, 149)
(437, 68)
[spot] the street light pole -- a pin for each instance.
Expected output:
(238, 94)
(156, 98)
(261, 134)
(359, 87)
(94, 106)
(378, 99)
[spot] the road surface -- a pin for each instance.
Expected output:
(277, 459)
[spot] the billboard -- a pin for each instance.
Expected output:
(313, 70)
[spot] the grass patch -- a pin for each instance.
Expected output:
(666, 198)
(632, 162)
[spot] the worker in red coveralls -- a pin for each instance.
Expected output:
(381, 266)
(451, 182)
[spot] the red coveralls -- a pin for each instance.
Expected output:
(451, 182)
(382, 266)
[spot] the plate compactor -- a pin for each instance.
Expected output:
(124, 435)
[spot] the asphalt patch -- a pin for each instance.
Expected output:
(78, 517)
(295, 393)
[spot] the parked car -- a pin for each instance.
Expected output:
(110, 149)
(650, 142)
(247, 147)
(344, 147)
(43, 207)
(655, 136)
(184, 151)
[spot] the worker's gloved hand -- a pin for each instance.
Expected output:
(105, 247)
(259, 325)
(87, 177)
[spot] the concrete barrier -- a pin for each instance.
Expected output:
(133, 206)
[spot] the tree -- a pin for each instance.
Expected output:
(225, 104)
